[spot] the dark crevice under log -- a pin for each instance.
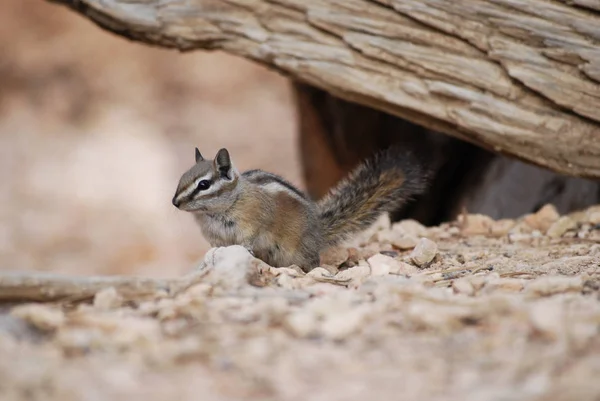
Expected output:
(335, 135)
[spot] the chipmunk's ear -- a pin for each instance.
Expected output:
(199, 157)
(223, 164)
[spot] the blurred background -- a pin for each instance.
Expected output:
(95, 132)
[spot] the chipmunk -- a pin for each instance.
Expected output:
(277, 222)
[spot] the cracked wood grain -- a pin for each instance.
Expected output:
(520, 77)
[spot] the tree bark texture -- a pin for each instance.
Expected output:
(519, 77)
(336, 135)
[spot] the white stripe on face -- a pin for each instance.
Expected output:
(190, 188)
(215, 186)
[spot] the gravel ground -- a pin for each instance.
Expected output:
(473, 310)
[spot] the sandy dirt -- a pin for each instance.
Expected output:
(473, 310)
(94, 133)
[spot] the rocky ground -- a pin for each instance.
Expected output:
(473, 310)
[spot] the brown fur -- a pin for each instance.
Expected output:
(278, 223)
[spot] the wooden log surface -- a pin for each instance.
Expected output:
(519, 77)
(46, 287)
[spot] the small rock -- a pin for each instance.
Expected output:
(381, 263)
(502, 227)
(561, 226)
(354, 273)
(410, 228)
(302, 323)
(504, 284)
(547, 319)
(424, 252)
(519, 237)
(333, 270)
(405, 242)
(463, 286)
(551, 285)
(229, 267)
(475, 224)
(42, 317)
(398, 239)
(543, 218)
(341, 325)
(107, 299)
(592, 215)
(319, 272)
(520, 227)
(477, 281)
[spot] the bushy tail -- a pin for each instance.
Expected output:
(379, 185)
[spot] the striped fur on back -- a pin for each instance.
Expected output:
(276, 221)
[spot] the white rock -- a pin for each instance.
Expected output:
(561, 226)
(424, 252)
(107, 299)
(463, 286)
(551, 285)
(475, 224)
(382, 265)
(410, 227)
(319, 272)
(229, 266)
(543, 219)
(43, 317)
(302, 323)
(357, 272)
(547, 318)
(341, 325)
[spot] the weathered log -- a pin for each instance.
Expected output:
(519, 77)
(40, 287)
(336, 135)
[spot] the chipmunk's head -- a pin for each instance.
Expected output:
(209, 186)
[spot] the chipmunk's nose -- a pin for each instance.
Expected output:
(176, 203)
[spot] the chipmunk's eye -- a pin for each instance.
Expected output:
(203, 185)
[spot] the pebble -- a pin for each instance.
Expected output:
(543, 218)
(551, 285)
(504, 284)
(547, 318)
(463, 286)
(42, 317)
(424, 252)
(107, 299)
(382, 265)
(302, 323)
(475, 224)
(405, 242)
(319, 272)
(410, 228)
(397, 238)
(502, 227)
(593, 215)
(354, 273)
(561, 226)
(341, 325)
